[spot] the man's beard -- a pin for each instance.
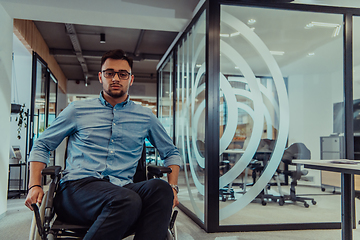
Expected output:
(115, 95)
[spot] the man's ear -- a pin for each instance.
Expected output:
(100, 80)
(132, 80)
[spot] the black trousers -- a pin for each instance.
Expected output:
(114, 212)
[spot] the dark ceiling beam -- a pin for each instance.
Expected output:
(97, 54)
(70, 29)
(140, 38)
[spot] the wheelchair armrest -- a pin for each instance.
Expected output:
(158, 171)
(286, 161)
(52, 171)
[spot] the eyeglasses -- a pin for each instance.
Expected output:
(122, 74)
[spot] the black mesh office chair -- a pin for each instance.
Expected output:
(48, 227)
(295, 151)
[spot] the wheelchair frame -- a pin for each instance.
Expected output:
(45, 227)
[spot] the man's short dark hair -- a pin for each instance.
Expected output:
(116, 54)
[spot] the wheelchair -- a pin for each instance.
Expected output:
(45, 226)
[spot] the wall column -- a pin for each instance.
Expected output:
(6, 37)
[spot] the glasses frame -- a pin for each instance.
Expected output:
(117, 73)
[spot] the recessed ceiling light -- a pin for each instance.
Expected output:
(198, 65)
(311, 54)
(236, 67)
(234, 34)
(277, 53)
(337, 27)
(224, 35)
(251, 21)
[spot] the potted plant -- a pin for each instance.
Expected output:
(21, 120)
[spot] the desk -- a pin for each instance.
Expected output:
(234, 151)
(347, 169)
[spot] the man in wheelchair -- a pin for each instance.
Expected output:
(105, 142)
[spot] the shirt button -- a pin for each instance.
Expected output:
(114, 124)
(111, 151)
(112, 140)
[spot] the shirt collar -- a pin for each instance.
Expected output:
(105, 103)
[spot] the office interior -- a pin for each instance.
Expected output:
(284, 76)
(277, 87)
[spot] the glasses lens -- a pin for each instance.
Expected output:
(109, 73)
(123, 74)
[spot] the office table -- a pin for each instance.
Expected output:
(347, 168)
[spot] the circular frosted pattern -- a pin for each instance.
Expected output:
(191, 109)
(260, 111)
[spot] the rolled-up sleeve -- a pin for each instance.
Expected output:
(49, 140)
(163, 143)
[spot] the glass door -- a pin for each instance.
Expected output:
(43, 100)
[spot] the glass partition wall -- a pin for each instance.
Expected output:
(356, 105)
(283, 87)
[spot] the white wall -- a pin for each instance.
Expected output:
(6, 29)
(20, 93)
(314, 85)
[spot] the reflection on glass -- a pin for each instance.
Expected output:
(166, 96)
(40, 100)
(190, 116)
(52, 99)
(278, 90)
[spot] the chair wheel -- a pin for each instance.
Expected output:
(306, 205)
(281, 201)
(323, 189)
(313, 202)
(274, 199)
(263, 202)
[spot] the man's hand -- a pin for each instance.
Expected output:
(176, 200)
(35, 195)
(173, 179)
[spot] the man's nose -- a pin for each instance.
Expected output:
(116, 77)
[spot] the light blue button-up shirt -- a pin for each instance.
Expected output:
(104, 140)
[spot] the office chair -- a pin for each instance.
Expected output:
(48, 227)
(295, 151)
(258, 164)
(227, 192)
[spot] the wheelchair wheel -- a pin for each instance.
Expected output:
(34, 233)
(172, 234)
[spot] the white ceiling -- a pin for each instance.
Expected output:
(123, 22)
(338, 3)
(152, 15)
(165, 15)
